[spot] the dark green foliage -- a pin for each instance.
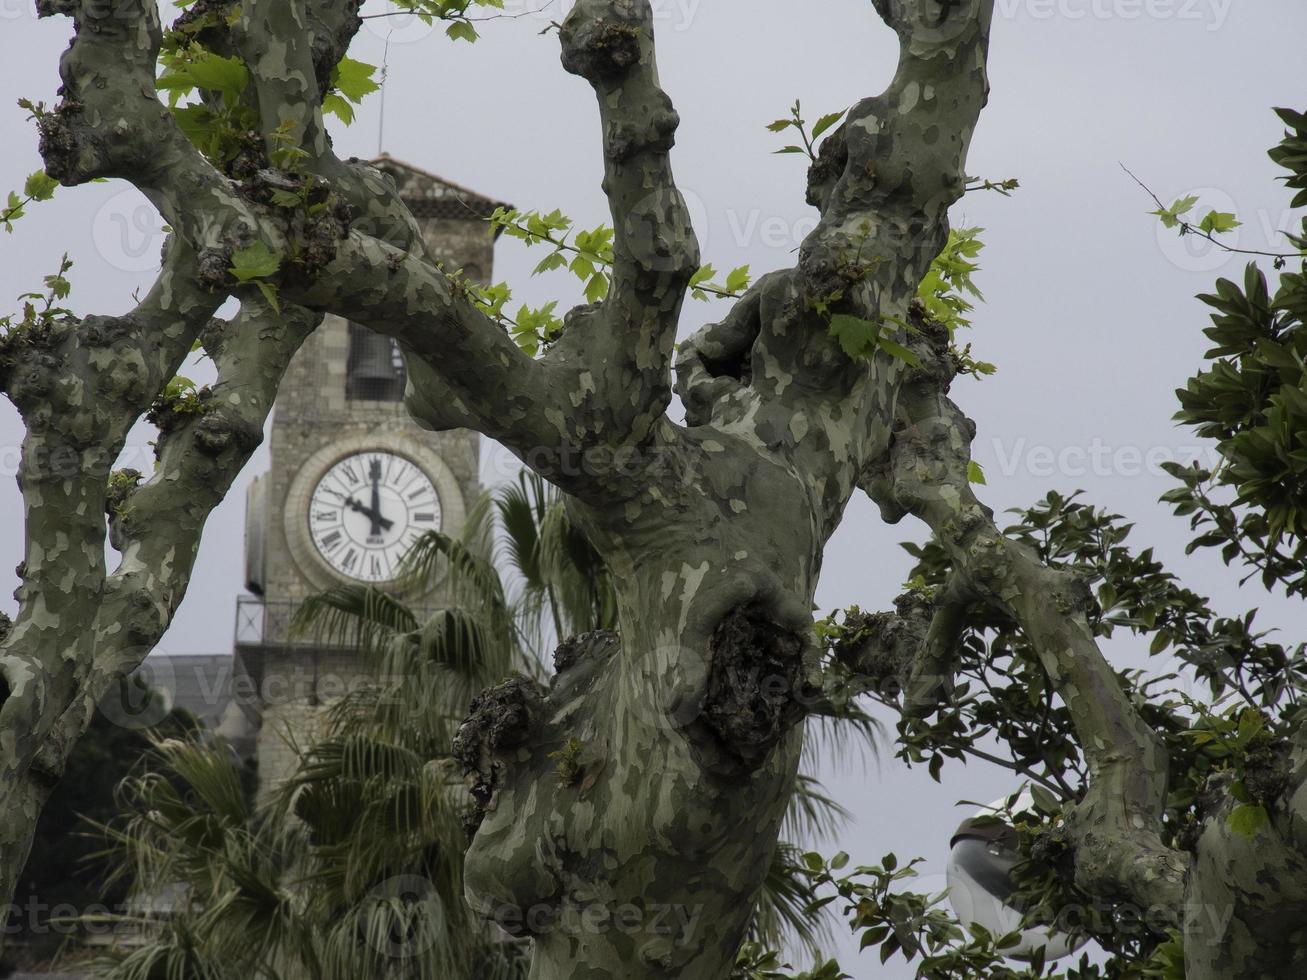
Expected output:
(1225, 717)
(1253, 401)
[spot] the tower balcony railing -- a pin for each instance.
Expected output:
(267, 623)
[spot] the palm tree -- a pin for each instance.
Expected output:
(353, 867)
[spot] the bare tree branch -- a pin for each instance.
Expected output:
(80, 385)
(1116, 826)
(884, 182)
(626, 346)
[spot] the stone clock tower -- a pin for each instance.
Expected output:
(353, 481)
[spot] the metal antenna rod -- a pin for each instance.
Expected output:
(381, 118)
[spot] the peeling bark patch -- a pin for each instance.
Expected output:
(753, 684)
(501, 720)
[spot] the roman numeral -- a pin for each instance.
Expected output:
(419, 492)
(374, 565)
(325, 516)
(348, 470)
(331, 541)
(350, 560)
(424, 518)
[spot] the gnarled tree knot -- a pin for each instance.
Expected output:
(501, 721)
(756, 685)
(601, 39)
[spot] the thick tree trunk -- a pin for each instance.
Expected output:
(1245, 908)
(631, 815)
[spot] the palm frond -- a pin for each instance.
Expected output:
(475, 581)
(812, 815)
(783, 910)
(521, 507)
(173, 952)
(853, 737)
(575, 573)
(353, 616)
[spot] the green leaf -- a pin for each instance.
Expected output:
(738, 280)
(255, 262)
(218, 74)
(269, 291)
(354, 79)
(826, 122)
(1247, 820)
(857, 337)
(40, 186)
(197, 123)
(13, 207)
(899, 352)
(1045, 802)
(975, 473)
(335, 105)
(596, 289)
(1219, 222)
(462, 30)
(704, 274)
(554, 260)
(1171, 216)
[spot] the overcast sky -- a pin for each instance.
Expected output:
(1089, 312)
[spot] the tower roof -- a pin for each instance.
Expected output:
(429, 196)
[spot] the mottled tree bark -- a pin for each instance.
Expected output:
(627, 813)
(687, 732)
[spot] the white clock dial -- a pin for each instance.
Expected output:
(366, 512)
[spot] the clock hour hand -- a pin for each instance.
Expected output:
(379, 523)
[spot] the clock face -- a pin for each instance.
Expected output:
(367, 510)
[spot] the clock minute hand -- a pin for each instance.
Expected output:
(377, 519)
(375, 474)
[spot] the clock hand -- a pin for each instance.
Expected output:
(375, 473)
(377, 519)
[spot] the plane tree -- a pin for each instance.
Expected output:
(683, 732)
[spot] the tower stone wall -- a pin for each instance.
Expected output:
(290, 681)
